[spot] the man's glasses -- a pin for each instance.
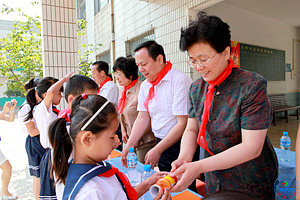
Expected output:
(202, 62)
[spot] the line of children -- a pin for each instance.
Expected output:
(41, 113)
(92, 132)
(49, 90)
(33, 147)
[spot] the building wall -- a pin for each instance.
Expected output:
(250, 28)
(59, 37)
(133, 18)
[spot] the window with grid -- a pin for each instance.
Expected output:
(81, 9)
(132, 44)
(99, 4)
(106, 58)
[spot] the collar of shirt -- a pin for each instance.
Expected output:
(132, 89)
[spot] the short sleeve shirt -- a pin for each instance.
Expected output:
(110, 91)
(170, 100)
(102, 188)
(240, 102)
(22, 114)
(44, 117)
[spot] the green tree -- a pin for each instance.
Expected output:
(21, 52)
(84, 52)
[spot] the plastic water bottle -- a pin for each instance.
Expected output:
(285, 144)
(133, 175)
(147, 173)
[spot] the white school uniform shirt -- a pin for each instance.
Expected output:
(110, 91)
(44, 117)
(22, 114)
(171, 98)
(102, 188)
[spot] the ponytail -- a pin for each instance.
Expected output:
(31, 100)
(62, 148)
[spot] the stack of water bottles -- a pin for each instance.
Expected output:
(133, 175)
(285, 145)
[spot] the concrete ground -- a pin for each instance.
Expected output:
(13, 146)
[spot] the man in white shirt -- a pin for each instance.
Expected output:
(162, 104)
(107, 88)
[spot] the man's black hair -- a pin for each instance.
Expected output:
(154, 49)
(101, 66)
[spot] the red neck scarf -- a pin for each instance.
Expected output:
(208, 101)
(55, 110)
(122, 100)
(65, 114)
(159, 77)
(101, 85)
(129, 190)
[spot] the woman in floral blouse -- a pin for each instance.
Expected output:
(229, 117)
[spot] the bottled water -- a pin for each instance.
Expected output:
(133, 175)
(147, 173)
(285, 144)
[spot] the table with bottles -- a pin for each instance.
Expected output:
(115, 160)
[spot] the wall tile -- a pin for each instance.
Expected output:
(66, 12)
(53, 13)
(63, 44)
(62, 14)
(53, 25)
(57, 14)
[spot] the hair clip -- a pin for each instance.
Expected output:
(94, 116)
(84, 96)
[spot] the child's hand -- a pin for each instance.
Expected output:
(163, 195)
(154, 178)
(68, 76)
(9, 106)
(117, 141)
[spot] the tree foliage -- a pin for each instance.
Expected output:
(21, 52)
(84, 52)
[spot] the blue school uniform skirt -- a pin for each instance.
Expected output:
(47, 190)
(35, 152)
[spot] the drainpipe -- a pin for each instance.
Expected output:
(293, 74)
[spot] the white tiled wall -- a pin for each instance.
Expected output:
(59, 37)
(134, 17)
(103, 30)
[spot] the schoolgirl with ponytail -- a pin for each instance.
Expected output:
(33, 147)
(49, 89)
(94, 121)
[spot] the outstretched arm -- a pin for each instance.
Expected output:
(153, 156)
(250, 148)
(140, 125)
(54, 89)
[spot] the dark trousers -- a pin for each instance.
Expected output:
(119, 133)
(168, 156)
